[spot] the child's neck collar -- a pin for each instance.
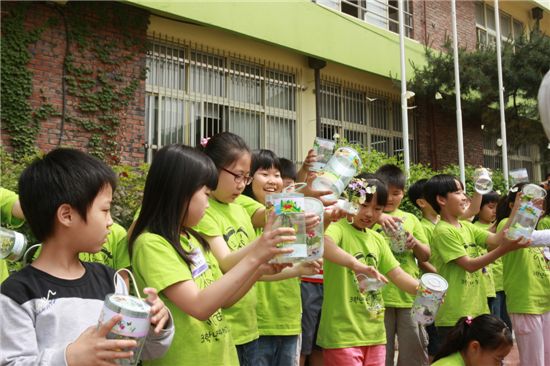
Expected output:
(453, 220)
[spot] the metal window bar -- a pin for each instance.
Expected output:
(365, 116)
(381, 13)
(193, 92)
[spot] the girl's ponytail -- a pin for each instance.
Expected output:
(491, 333)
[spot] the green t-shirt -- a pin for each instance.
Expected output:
(279, 308)
(488, 278)
(249, 204)
(544, 223)
(450, 243)
(452, 360)
(232, 222)
(526, 280)
(350, 318)
(7, 199)
(428, 228)
(157, 264)
(393, 296)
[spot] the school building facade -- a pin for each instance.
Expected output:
(250, 68)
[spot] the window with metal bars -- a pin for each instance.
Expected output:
(193, 92)
(520, 157)
(364, 117)
(381, 13)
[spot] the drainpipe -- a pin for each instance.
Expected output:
(317, 65)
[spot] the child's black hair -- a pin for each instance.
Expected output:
(381, 189)
(440, 185)
(176, 174)
(504, 205)
(392, 175)
(262, 159)
(416, 191)
(225, 148)
(288, 169)
(63, 176)
(490, 331)
(491, 197)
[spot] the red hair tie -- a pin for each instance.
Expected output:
(468, 320)
(204, 141)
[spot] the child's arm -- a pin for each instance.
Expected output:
(473, 264)
(335, 254)
(403, 280)
(201, 304)
(226, 258)
(427, 267)
(297, 270)
(473, 209)
(420, 250)
(302, 174)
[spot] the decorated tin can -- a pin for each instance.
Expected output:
(429, 298)
(289, 209)
(134, 324)
(12, 244)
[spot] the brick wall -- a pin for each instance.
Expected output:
(46, 65)
(436, 129)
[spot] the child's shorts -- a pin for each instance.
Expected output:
(312, 301)
(355, 356)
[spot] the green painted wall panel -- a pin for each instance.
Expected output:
(302, 26)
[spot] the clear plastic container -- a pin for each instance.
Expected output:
(338, 172)
(483, 183)
(315, 238)
(289, 209)
(398, 238)
(527, 217)
(12, 244)
(324, 149)
(368, 284)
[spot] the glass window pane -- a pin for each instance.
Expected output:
(246, 83)
(490, 17)
(354, 106)
(480, 13)
(330, 101)
(207, 74)
(505, 25)
(380, 144)
(518, 29)
(247, 125)
(281, 137)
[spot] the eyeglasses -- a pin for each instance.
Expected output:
(239, 178)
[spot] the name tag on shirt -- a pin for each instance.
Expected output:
(199, 263)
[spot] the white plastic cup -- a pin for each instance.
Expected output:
(483, 183)
(368, 284)
(429, 297)
(12, 244)
(289, 209)
(324, 149)
(134, 324)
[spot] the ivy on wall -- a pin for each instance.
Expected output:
(16, 81)
(101, 74)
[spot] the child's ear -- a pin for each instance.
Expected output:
(421, 202)
(474, 346)
(441, 200)
(65, 214)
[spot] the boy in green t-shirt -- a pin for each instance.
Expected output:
(456, 254)
(352, 329)
(411, 336)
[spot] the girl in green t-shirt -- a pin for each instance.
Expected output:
(526, 279)
(481, 341)
(168, 254)
(229, 231)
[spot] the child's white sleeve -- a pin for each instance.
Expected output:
(156, 345)
(541, 238)
(18, 338)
